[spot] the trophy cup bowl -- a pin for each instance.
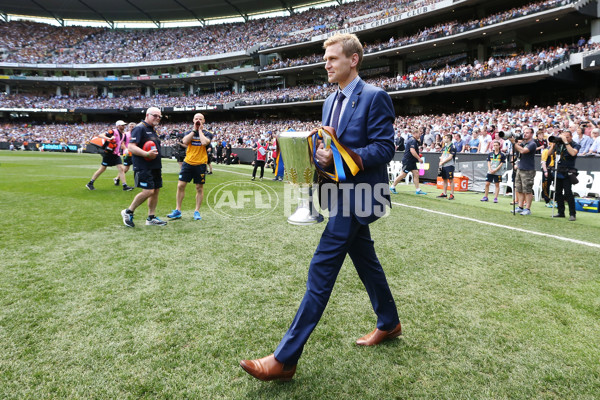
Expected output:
(299, 171)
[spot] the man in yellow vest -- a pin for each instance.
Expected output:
(194, 166)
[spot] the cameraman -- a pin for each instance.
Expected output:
(180, 148)
(525, 171)
(566, 151)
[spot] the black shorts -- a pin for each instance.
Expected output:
(448, 173)
(195, 172)
(410, 166)
(148, 178)
(492, 178)
(180, 157)
(110, 160)
(127, 160)
(209, 157)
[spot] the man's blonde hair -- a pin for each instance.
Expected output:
(350, 45)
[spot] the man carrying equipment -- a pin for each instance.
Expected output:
(127, 160)
(111, 157)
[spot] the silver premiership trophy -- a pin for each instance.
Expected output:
(299, 171)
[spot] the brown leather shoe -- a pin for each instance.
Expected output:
(378, 336)
(268, 369)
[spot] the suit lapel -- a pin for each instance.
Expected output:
(350, 108)
(327, 106)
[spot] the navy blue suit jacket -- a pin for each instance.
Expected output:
(366, 127)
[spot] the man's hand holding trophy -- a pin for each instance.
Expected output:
(308, 154)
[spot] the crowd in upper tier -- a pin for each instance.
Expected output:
(420, 76)
(468, 128)
(430, 33)
(89, 45)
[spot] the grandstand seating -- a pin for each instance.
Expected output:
(423, 52)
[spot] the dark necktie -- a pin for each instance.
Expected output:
(336, 112)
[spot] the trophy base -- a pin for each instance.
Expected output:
(302, 216)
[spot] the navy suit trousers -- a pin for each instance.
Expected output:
(343, 235)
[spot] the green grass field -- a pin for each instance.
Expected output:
(92, 309)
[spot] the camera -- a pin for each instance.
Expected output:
(508, 135)
(555, 139)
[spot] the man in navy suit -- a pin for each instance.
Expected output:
(363, 117)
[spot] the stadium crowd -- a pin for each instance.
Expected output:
(73, 45)
(420, 76)
(106, 102)
(101, 45)
(468, 128)
(435, 32)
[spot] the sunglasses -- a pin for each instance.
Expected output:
(156, 115)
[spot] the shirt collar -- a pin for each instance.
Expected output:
(350, 87)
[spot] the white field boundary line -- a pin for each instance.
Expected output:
(248, 174)
(589, 244)
(566, 239)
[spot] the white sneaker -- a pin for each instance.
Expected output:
(155, 221)
(127, 219)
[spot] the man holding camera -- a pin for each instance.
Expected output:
(525, 171)
(566, 151)
(179, 148)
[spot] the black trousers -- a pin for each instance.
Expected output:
(546, 181)
(261, 164)
(564, 192)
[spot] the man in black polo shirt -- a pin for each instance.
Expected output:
(566, 154)
(147, 168)
(228, 151)
(410, 160)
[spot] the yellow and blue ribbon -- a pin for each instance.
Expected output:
(341, 156)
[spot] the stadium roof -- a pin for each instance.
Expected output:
(153, 11)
